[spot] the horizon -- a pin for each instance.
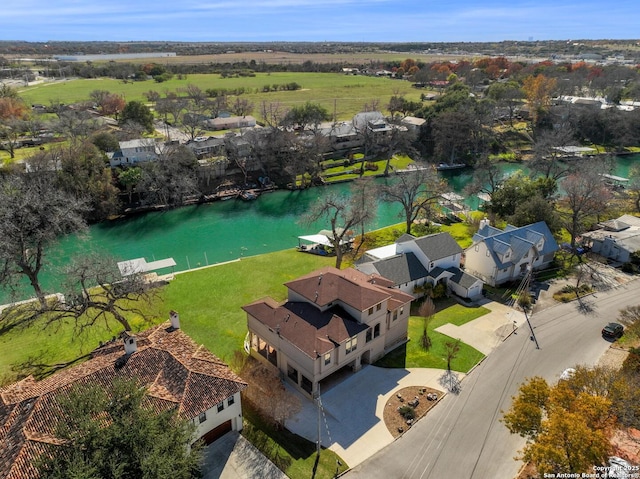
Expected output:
(371, 21)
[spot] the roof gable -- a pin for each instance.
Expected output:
(438, 246)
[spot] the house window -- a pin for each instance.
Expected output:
(220, 406)
(370, 311)
(431, 265)
(327, 358)
(395, 315)
(401, 309)
(202, 417)
(378, 307)
(369, 335)
(376, 330)
(230, 401)
(352, 344)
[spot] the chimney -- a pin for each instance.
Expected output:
(484, 222)
(175, 319)
(130, 345)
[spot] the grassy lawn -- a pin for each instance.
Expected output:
(293, 454)
(208, 300)
(53, 344)
(344, 94)
(411, 355)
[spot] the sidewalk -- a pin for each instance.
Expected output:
(488, 331)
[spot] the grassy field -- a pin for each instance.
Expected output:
(413, 356)
(343, 94)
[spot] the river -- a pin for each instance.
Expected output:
(212, 233)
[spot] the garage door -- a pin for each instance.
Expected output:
(217, 432)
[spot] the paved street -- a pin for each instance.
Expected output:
(462, 437)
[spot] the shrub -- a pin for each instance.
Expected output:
(632, 361)
(407, 412)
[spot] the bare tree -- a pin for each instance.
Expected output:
(267, 394)
(34, 213)
(452, 349)
(343, 214)
(585, 196)
(415, 191)
(426, 311)
(242, 107)
(546, 153)
(94, 290)
(170, 179)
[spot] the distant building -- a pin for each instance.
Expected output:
(616, 239)
(231, 122)
(133, 152)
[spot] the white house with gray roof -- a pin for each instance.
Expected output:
(498, 256)
(412, 262)
(133, 152)
(616, 239)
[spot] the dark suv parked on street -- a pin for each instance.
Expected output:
(613, 330)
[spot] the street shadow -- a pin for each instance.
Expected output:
(586, 306)
(450, 380)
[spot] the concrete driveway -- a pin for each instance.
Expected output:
(352, 421)
(233, 457)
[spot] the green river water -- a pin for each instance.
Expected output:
(226, 230)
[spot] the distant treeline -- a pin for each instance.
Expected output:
(532, 48)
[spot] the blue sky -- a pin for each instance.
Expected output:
(317, 20)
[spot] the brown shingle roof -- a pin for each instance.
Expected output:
(314, 331)
(330, 284)
(177, 371)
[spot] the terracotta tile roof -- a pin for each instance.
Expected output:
(179, 374)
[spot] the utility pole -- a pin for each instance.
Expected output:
(319, 404)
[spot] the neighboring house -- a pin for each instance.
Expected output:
(499, 256)
(331, 319)
(413, 123)
(341, 135)
(616, 239)
(177, 372)
(411, 262)
(207, 147)
(374, 121)
(133, 152)
(228, 123)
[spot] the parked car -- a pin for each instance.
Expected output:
(567, 374)
(613, 330)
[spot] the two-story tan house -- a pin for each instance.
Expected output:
(331, 319)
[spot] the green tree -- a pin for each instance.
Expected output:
(109, 433)
(84, 173)
(137, 112)
(105, 141)
(308, 115)
(129, 178)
